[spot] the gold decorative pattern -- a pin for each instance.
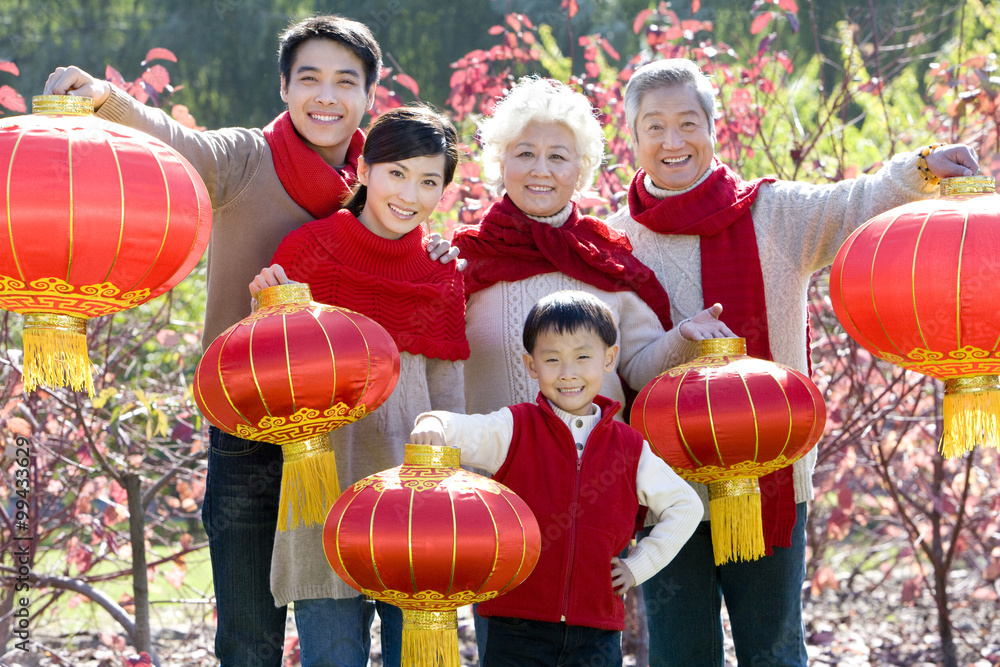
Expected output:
(278, 295)
(969, 360)
(429, 600)
(431, 455)
(302, 424)
(430, 620)
(62, 105)
(972, 385)
(302, 449)
(696, 364)
(967, 185)
(708, 474)
(286, 309)
(736, 486)
(68, 323)
(57, 295)
(722, 347)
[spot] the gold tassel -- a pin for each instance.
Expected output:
(309, 484)
(737, 528)
(430, 638)
(55, 352)
(971, 414)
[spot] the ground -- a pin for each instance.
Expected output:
(848, 628)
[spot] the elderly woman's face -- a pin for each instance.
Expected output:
(540, 168)
(673, 137)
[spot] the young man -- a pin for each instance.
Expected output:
(585, 477)
(263, 184)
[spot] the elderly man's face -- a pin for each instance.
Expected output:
(673, 137)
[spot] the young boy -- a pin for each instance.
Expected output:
(585, 477)
(263, 184)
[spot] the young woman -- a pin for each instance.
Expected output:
(370, 257)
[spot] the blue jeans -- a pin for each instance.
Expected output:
(763, 598)
(517, 642)
(240, 514)
(337, 633)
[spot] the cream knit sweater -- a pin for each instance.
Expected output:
(800, 228)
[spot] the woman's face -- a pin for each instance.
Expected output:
(540, 168)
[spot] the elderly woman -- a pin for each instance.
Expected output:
(712, 237)
(542, 146)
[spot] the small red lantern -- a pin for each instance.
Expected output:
(915, 286)
(99, 218)
(290, 373)
(430, 537)
(725, 419)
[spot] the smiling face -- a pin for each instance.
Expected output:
(540, 168)
(570, 367)
(673, 137)
(401, 194)
(326, 97)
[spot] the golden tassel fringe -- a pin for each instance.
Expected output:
(56, 358)
(430, 639)
(309, 487)
(737, 527)
(970, 419)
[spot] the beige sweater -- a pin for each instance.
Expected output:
(299, 570)
(800, 228)
(251, 210)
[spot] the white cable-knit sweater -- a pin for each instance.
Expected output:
(800, 227)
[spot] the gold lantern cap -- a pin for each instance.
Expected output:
(62, 105)
(282, 294)
(433, 456)
(968, 185)
(722, 347)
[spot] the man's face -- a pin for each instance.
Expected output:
(673, 137)
(326, 97)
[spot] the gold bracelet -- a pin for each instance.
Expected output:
(922, 164)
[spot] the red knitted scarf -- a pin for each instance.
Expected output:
(508, 246)
(309, 181)
(420, 302)
(718, 210)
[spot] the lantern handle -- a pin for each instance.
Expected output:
(62, 105)
(722, 347)
(967, 185)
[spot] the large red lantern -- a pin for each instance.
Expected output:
(726, 419)
(97, 218)
(430, 537)
(290, 373)
(915, 286)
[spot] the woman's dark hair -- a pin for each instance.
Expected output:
(402, 133)
(568, 311)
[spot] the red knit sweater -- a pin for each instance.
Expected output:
(586, 509)
(419, 301)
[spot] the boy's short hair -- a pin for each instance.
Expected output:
(567, 311)
(354, 35)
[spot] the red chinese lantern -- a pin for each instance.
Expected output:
(915, 286)
(726, 419)
(97, 218)
(430, 537)
(290, 373)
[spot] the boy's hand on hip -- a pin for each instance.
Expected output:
(621, 576)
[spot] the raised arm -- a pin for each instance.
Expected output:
(483, 439)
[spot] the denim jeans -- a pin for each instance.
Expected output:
(517, 642)
(240, 514)
(337, 633)
(763, 598)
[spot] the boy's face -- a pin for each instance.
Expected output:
(326, 97)
(570, 368)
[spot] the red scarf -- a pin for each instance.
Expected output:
(309, 181)
(508, 246)
(718, 210)
(419, 301)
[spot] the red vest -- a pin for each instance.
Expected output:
(586, 508)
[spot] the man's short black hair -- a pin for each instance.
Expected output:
(353, 35)
(567, 311)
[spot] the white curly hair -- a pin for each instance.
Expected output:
(538, 100)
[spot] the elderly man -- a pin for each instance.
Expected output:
(709, 236)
